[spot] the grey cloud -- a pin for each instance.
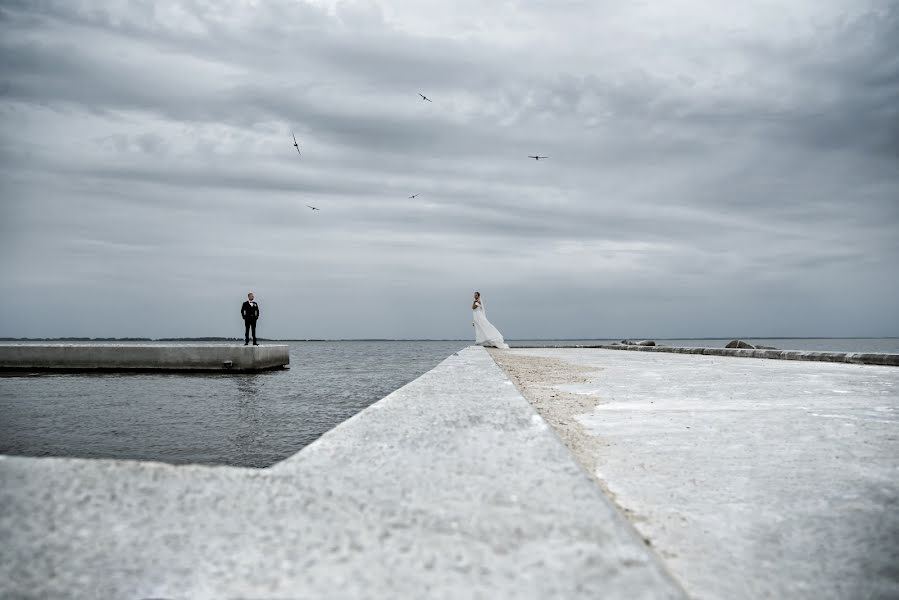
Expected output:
(846, 90)
(142, 150)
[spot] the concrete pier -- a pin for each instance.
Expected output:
(451, 487)
(752, 479)
(740, 478)
(142, 357)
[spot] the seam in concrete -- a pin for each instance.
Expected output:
(726, 464)
(570, 432)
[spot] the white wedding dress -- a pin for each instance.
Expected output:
(486, 334)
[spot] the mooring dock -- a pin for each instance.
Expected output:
(143, 357)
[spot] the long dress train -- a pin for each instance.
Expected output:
(485, 334)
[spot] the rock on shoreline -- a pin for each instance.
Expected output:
(747, 345)
(632, 343)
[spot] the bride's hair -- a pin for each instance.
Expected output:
(477, 293)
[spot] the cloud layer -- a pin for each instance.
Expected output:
(712, 171)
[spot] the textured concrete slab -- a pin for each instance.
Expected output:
(753, 479)
(451, 487)
(143, 357)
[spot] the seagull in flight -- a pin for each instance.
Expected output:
(537, 157)
(296, 145)
(413, 196)
(423, 97)
(312, 207)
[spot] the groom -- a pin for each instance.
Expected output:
(250, 313)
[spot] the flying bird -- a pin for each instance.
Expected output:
(537, 157)
(295, 144)
(312, 207)
(413, 196)
(423, 97)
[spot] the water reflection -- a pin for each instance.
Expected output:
(248, 385)
(249, 429)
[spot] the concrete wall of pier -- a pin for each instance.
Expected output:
(142, 357)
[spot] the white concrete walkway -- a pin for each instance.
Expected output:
(753, 478)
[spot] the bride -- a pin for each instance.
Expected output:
(485, 334)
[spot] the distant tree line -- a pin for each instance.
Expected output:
(207, 339)
(123, 339)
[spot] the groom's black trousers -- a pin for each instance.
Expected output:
(248, 325)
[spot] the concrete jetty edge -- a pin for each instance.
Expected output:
(861, 358)
(452, 487)
(143, 357)
(753, 479)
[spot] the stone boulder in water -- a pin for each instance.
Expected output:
(740, 344)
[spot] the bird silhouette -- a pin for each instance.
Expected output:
(423, 97)
(413, 196)
(537, 157)
(312, 207)
(296, 145)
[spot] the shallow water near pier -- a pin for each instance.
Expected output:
(249, 420)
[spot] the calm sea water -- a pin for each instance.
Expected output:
(251, 420)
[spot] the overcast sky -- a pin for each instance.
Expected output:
(715, 168)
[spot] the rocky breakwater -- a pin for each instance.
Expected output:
(746, 350)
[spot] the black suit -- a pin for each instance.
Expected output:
(250, 313)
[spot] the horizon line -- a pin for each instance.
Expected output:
(527, 339)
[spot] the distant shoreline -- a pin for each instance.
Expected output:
(584, 339)
(219, 339)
